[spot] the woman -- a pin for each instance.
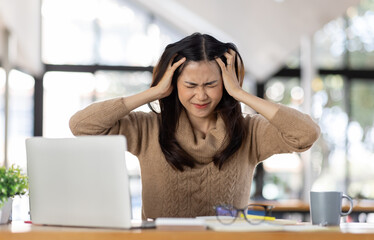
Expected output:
(199, 151)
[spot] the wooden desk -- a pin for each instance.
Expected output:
(21, 231)
(297, 206)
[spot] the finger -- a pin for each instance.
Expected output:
(229, 58)
(234, 55)
(232, 52)
(230, 61)
(180, 62)
(170, 64)
(220, 63)
(171, 60)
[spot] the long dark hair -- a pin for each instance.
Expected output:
(197, 47)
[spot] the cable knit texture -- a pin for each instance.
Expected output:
(167, 192)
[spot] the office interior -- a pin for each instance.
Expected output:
(58, 56)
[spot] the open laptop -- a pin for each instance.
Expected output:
(79, 181)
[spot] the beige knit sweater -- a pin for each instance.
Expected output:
(170, 193)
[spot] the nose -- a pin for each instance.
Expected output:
(200, 93)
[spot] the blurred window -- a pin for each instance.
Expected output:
(106, 32)
(20, 127)
(2, 114)
(67, 92)
(21, 115)
(360, 134)
(330, 45)
(329, 108)
(360, 34)
(283, 178)
(342, 157)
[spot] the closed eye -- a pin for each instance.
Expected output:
(191, 85)
(208, 84)
(211, 84)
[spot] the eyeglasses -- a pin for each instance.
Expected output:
(253, 213)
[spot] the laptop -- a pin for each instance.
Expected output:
(79, 181)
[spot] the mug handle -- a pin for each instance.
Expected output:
(350, 205)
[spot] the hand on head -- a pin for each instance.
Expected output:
(165, 87)
(229, 77)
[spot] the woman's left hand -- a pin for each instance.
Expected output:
(230, 80)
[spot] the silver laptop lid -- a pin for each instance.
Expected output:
(79, 181)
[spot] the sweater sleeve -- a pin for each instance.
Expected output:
(111, 117)
(288, 131)
(99, 118)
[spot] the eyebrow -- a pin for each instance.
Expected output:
(207, 83)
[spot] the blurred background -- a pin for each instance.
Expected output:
(58, 56)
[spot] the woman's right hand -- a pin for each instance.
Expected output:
(164, 87)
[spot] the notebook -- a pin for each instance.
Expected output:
(79, 181)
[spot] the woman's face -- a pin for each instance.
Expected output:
(200, 88)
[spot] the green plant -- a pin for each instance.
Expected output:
(12, 183)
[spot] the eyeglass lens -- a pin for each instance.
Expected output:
(253, 214)
(226, 214)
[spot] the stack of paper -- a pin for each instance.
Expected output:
(188, 224)
(241, 225)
